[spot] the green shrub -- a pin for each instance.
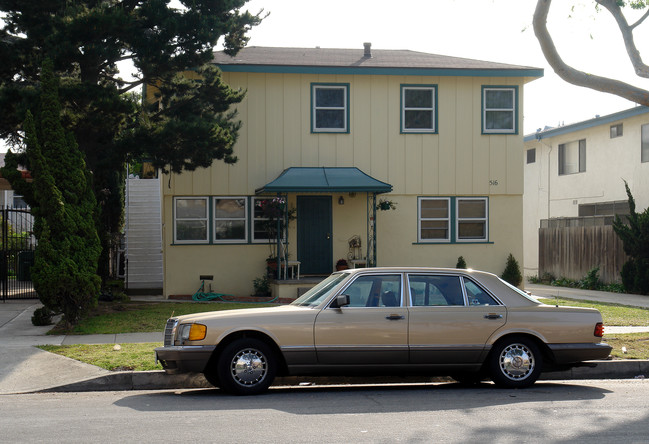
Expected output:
(461, 263)
(42, 316)
(512, 273)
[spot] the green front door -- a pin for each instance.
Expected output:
(314, 234)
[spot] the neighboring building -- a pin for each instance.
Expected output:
(578, 171)
(329, 130)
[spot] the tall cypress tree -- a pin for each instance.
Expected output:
(65, 263)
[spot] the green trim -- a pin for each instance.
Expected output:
(347, 109)
(339, 70)
(435, 129)
(482, 110)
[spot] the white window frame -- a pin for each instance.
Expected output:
(205, 219)
(513, 110)
(432, 109)
(244, 219)
(420, 219)
(459, 219)
(315, 108)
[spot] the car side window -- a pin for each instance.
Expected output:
(476, 295)
(431, 290)
(375, 291)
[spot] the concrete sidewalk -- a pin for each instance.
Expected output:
(25, 368)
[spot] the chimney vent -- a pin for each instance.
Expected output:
(368, 50)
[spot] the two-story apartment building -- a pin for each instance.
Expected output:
(579, 170)
(329, 130)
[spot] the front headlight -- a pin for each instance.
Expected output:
(193, 332)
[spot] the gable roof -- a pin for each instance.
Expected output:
(353, 61)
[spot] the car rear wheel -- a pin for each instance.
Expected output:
(247, 366)
(515, 363)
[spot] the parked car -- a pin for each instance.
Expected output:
(468, 324)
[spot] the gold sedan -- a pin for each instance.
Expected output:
(468, 324)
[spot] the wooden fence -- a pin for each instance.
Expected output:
(571, 251)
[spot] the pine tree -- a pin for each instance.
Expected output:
(635, 241)
(65, 262)
(512, 273)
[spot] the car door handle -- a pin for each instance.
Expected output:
(493, 316)
(394, 317)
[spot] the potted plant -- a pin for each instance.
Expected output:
(385, 205)
(272, 213)
(342, 264)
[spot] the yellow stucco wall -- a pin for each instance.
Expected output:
(276, 134)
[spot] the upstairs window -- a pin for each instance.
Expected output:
(572, 157)
(616, 131)
(531, 155)
(418, 105)
(330, 112)
(499, 109)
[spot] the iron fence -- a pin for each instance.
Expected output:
(17, 244)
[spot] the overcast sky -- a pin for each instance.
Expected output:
(493, 30)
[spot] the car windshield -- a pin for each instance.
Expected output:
(525, 294)
(320, 292)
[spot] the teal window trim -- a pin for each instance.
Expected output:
(459, 219)
(402, 108)
(453, 221)
(514, 110)
(448, 219)
(211, 221)
(176, 219)
(313, 109)
(246, 219)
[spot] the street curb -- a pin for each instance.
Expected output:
(159, 380)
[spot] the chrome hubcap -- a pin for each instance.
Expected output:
(248, 367)
(517, 362)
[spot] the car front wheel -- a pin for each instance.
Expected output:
(247, 366)
(515, 363)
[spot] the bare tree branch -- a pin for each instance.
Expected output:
(574, 76)
(613, 7)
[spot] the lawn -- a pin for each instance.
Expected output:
(613, 314)
(137, 357)
(140, 317)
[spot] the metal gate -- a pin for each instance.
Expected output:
(17, 243)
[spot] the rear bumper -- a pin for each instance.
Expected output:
(184, 359)
(574, 353)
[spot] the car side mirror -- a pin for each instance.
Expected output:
(340, 301)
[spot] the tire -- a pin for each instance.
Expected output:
(212, 377)
(515, 362)
(247, 366)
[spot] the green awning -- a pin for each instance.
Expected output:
(323, 180)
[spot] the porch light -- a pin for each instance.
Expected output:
(341, 200)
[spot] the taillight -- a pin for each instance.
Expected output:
(599, 330)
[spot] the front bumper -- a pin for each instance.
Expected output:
(573, 353)
(184, 358)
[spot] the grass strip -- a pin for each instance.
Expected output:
(140, 317)
(136, 357)
(613, 314)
